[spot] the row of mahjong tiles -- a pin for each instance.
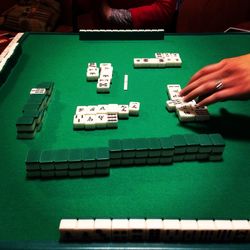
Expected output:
(154, 230)
(121, 34)
(103, 115)
(161, 60)
(126, 152)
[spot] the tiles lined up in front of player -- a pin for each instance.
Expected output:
(121, 34)
(154, 230)
(161, 60)
(103, 116)
(166, 150)
(9, 57)
(102, 75)
(33, 113)
(126, 152)
(87, 162)
(185, 111)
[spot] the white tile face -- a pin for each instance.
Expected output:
(104, 80)
(92, 64)
(123, 111)
(146, 62)
(112, 121)
(160, 55)
(93, 69)
(206, 231)
(112, 109)
(186, 114)
(224, 230)
(185, 105)
(161, 63)
(206, 225)
(175, 60)
(171, 104)
(223, 224)
(171, 59)
(85, 230)
(172, 224)
(154, 230)
(103, 229)
(105, 65)
(189, 230)
(201, 113)
(67, 229)
(92, 74)
(101, 120)
(103, 87)
(173, 91)
(68, 224)
(134, 108)
(138, 62)
(240, 225)
(241, 230)
(91, 110)
(37, 91)
(81, 110)
(189, 225)
(102, 109)
(90, 121)
(77, 122)
(106, 76)
(120, 230)
(137, 230)
(171, 231)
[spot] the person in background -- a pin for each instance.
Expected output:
(138, 14)
(123, 14)
(228, 79)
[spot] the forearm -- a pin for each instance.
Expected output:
(120, 18)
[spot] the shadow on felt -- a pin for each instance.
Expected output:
(229, 125)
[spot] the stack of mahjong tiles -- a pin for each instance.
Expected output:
(103, 116)
(30, 122)
(80, 162)
(102, 76)
(161, 60)
(186, 111)
(166, 150)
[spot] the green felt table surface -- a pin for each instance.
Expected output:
(30, 210)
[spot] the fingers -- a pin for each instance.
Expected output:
(220, 95)
(207, 70)
(234, 74)
(201, 87)
(203, 83)
(201, 90)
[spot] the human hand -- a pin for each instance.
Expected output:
(227, 80)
